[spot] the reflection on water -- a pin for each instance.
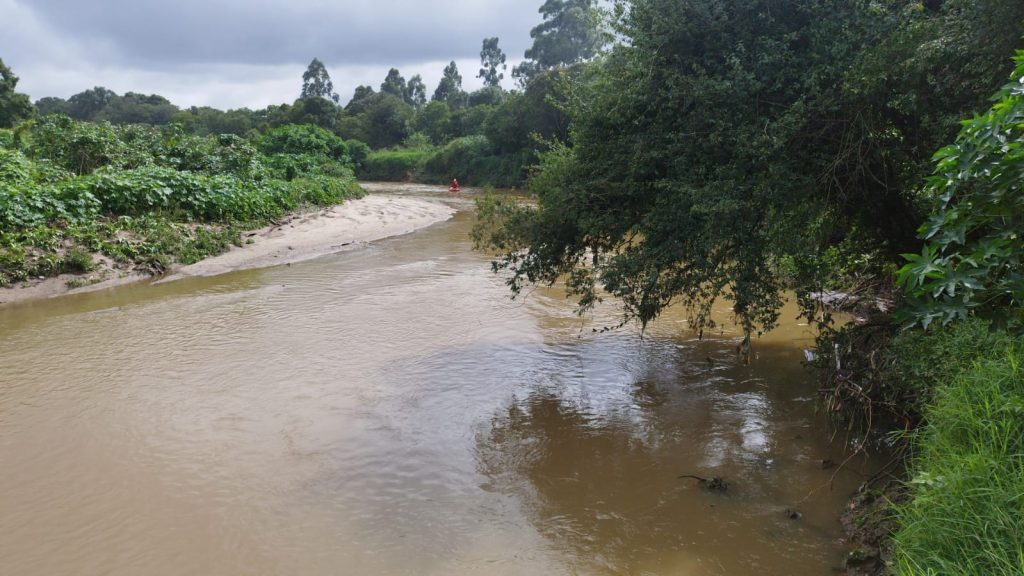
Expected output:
(390, 411)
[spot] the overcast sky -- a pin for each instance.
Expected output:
(249, 53)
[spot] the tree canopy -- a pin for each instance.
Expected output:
(14, 106)
(394, 84)
(316, 82)
(729, 149)
(449, 89)
(491, 58)
(572, 31)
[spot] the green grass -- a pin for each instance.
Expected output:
(967, 515)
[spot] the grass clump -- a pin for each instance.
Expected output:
(967, 514)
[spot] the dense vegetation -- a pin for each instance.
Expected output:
(734, 150)
(966, 517)
(146, 197)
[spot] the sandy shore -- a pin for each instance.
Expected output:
(298, 237)
(308, 236)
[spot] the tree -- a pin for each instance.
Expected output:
(433, 120)
(88, 104)
(491, 57)
(449, 89)
(416, 92)
(394, 84)
(360, 98)
(571, 32)
(51, 105)
(316, 82)
(316, 111)
(14, 106)
(729, 149)
(386, 119)
(134, 108)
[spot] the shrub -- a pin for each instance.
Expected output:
(78, 147)
(393, 165)
(304, 139)
(358, 152)
(973, 261)
(15, 168)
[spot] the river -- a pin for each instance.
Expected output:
(389, 410)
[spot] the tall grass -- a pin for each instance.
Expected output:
(967, 515)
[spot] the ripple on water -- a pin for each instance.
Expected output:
(388, 410)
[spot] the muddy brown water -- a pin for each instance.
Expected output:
(390, 411)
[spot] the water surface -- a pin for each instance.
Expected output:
(390, 411)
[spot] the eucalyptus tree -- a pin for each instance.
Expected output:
(394, 84)
(416, 92)
(572, 31)
(491, 58)
(449, 89)
(316, 82)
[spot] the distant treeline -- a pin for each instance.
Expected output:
(485, 137)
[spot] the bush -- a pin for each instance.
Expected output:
(15, 168)
(323, 190)
(399, 165)
(304, 139)
(972, 263)
(358, 152)
(967, 515)
(78, 147)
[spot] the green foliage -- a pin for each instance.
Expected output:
(15, 168)
(316, 82)
(87, 105)
(394, 84)
(133, 108)
(393, 165)
(14, 106)
(449, 89)
(724, 148)
(78, 147)
(924, 360)
(320, 190)
(491, 58)
(416, 92)
(434, 121)
(972, 260)
(304, 139)
(358, 152)
(471, 160)
(196, 197)
(572, 31)
(967, 515)
(101, 104)
(149, 196)
(388, 121)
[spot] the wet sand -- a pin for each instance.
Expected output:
(295, 238)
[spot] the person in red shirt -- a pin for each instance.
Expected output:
(455, 185)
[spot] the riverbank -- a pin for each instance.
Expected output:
(295, 237)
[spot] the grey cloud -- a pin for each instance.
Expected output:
(174, 35)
